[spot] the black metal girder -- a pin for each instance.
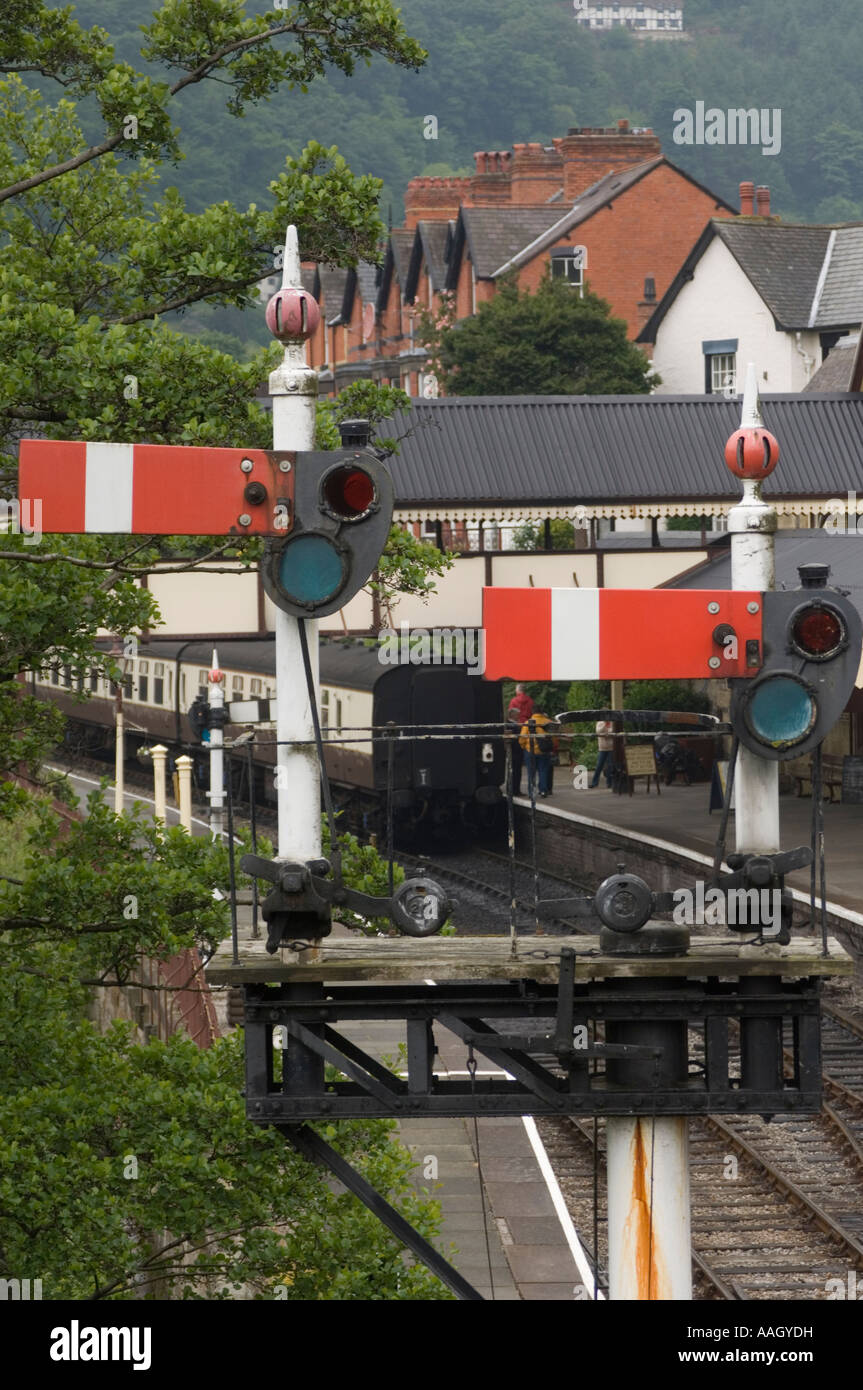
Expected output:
(564, 1081)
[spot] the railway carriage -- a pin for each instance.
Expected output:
(442, 787)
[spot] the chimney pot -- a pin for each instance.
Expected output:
(623, 125)
(747, 199)
(763, 199)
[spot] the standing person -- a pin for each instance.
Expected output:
(605, 746)
(520, 709)
(540, 745)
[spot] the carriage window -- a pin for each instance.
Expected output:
(237, 684)
(183, 688)
(128, 680)
(170, 686)
(256, 687)
(94, 681)
(55, 675)
(158, 682)
(271, 692)
(325, 710)
(338, 713)
(79, 682)
(143, 680)
(202, 684)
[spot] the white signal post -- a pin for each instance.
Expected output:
(294, 390)
(752, 524)
(649, 1205)
(184, 779)
(119, 755)
(159, 754)
(216, 794)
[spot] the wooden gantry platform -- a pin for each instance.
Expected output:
(567, 1027)
(393, 960)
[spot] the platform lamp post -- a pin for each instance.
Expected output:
(292, 316)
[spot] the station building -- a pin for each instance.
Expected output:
(502, 482)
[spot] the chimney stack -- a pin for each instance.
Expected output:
(763, 200)
(589, 153)
(747, 199)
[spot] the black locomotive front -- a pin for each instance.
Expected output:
(444, 773)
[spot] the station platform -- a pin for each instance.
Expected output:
(679, 818)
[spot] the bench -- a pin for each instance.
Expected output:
(831, 773)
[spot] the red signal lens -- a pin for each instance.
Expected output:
(348, 492)
(818, 632)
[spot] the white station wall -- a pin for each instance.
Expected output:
(202, 601)
(228, 603)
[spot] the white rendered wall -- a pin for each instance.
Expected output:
(719, 303)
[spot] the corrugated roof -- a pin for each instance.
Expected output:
(561, 449)
(842, 296)
(843, 553)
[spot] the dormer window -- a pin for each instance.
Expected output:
(568, 263)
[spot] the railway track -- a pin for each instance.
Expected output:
(777, 1207)
(473, 891)
(756, 1234)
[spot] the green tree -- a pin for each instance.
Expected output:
(97, 257)
(551, 343)
(530, 536)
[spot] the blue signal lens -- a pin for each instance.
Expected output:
(781, 711)
(311, 569)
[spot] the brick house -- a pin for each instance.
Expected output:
(602, 207)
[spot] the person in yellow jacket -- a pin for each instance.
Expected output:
(540, 744)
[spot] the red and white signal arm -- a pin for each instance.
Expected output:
(621, 634)
(157, 489)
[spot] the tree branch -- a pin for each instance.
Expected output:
(196, 75)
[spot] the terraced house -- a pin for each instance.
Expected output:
(602, 207)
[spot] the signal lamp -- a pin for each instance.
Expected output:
(339, 524)
(347, 492)
(781, 710)
(312, 568)
(811, 658)
(818, 632)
